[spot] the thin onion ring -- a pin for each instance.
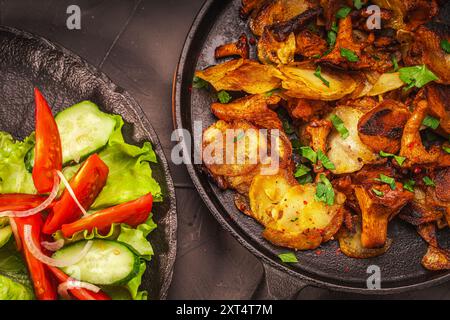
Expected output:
(71, 192)
(37, 253)
(75, 284)
(53, 246)
(15, 232)
(39, 208)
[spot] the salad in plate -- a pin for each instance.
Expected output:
(75, 208)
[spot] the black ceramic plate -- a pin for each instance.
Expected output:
(28, 61)
(217, 23)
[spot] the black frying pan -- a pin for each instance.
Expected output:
(218, 23)
(28, 61)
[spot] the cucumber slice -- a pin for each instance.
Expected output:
(84, 129)
(106, 263)
(5, 235)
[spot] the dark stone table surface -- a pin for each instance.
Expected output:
(137, 44)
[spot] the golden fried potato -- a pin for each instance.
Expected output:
(301, 222)
(271, 51)
(350, 154)
(299, 81)
(242, 155)
(242, 75)
(277, 11)
(385, 83)
(350, 242)
(239, 48)
(436, 259)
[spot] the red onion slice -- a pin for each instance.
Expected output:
(53, 246)
(75, 284)
(39, 208)
(60, 263)
(15, 232)
(71, 192)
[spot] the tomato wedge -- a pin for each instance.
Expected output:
(48, 151)
(86, 184)
(132, 213)
(19, 202)
(79, 293)
(44, 287)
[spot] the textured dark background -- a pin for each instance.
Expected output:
(137, 43)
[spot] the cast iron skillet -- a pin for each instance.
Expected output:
(28, 61)
(218, 23)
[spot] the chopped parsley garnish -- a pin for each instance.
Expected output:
(318, 74)
(305, 179)
(331, 39)
(395, 63)
(339, 126)
(416, 76)
(325, 191)
(199, 83)
(334, 27)
(224, 97)
(445, 45)
(296, 145)
(428, 181)
(349, 55)
(288, 257)
(239, 136)
(343, 12)
(378, 192)
(446, 149)
(388, 180)
(268, 94)
(309, 153)
(325, 161)
(431, 122)
(399, 159)
(301, 170)
(409, 185)
(358, 4)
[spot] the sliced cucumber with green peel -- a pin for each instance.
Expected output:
(84, 129)
(106, 263)
(5, 235)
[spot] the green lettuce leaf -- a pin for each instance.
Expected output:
(14, 177)
(14, 281)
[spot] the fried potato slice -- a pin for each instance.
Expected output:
(242, 75)
(385, 83)
(252, 108)
(350, 154)
(301, 222)
(239, 48)
(271, 51)
(436, 259)
(299, 81)
(381, 128)
(242, 155)
(350, 242)
(277, 11)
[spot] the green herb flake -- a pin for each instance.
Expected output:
(431, 122)
(445, 45)
(334, 27)
(339, 126)
(417, 76)
(400, 160)
(318, 74)
(270, 93)
(395, 63)
(199, 83)
(301, 170)
(309, 153)
(331, 40)
(378, 192)
(305, 179)
(388, 180)
(343, 12)
(325, 161)
(296, 145)
(409, 185)
(428, 181)
(325, 191)
(446, 149)
(358, 4)
(349, 55)
(224, 97)
(288, 257)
